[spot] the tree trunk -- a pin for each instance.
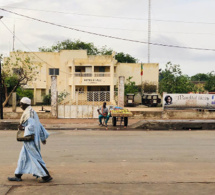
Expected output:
(8, 97)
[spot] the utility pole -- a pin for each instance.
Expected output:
(149, 30)
(1, 88)
(13, 36)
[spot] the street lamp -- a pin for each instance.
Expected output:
(1, 88)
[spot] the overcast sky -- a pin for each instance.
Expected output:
(185, 23)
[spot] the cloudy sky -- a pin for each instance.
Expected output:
(184, 23)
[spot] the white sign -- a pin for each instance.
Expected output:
(94, 81)
(206, 101)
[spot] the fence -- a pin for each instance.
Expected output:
(91, 98)
(78, 111)
(85, 104)
(88, 74)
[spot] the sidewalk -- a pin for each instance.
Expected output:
(133, 124)
(68, 124)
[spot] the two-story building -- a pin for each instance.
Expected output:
(85, 77)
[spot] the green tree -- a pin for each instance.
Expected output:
(125, 58)
(210, 83)
(72, 45)
(91, 50)
(17, 72)
(130, 86)
(62, 95)
(21, 92)
(172, 80)
(149, 87)
(47, 99)
(200, 77)
(105, 51)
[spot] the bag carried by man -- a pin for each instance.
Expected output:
(20, 135)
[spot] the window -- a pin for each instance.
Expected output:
(101, 69)
(79, 89)
(43, 92)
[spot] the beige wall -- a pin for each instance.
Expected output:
(150, 72)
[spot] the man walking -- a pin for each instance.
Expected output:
(30, 159)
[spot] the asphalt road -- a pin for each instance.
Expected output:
(117, 162)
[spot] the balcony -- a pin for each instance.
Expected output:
(101, 74)
(83, 74)
(89, 74)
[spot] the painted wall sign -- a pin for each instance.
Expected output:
(206, 101)
(92, 81)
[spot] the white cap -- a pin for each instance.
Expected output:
(26, 100)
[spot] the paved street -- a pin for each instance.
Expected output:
(117, 162)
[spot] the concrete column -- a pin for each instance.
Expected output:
(14, 102)
(162, 99)
(121, 90)
(54, 95)
(35, 93)
(112, 83)
(73, 85)
(93, 71)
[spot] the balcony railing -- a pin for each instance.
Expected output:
(89, 74)
(83, 74)
(101, 74)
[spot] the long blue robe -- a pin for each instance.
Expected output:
(30, 159)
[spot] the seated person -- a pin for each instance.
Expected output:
(103, 113)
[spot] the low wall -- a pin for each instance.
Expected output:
(9, 125)
(167, 114)
(188, 114)
(174, 124)
(174, 114)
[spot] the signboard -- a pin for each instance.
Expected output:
(92, 81)
(185, 101)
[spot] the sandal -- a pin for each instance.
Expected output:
(14, 179)
(45, 180)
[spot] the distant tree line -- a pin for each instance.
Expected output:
(171, 80)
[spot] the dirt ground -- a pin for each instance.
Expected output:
(116, 162)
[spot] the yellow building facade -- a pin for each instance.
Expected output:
(81, 73)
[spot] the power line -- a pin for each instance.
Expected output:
(105, 16)
(30, 49)
(70, 13)
(108, 36)
(132, 30)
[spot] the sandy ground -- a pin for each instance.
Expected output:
(116, 162)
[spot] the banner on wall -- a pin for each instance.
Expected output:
(185, 101)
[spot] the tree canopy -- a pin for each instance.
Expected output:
(200, 77)
(17, 73)
(172, 80)
(71, 45)
(210, 83)
(130, 86)
(91, 50)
